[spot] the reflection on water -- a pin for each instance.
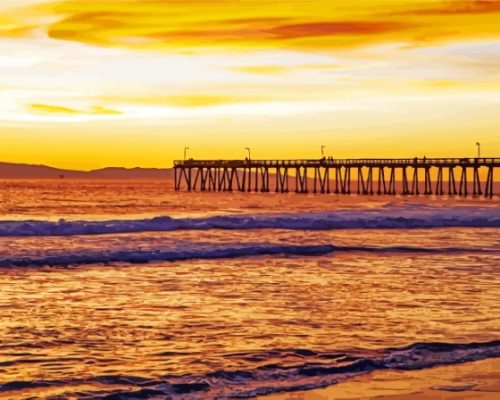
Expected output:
(73, 199)
(64, 325)
(196, 316)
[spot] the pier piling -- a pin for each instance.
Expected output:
(334, 176)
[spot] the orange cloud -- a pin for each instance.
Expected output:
(255, 24)
(335, 28)
(251, 34)
(461, 7)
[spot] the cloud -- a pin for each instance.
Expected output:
(47, 109)
(297, 35)
(51, 109)
(17, 32)
(184, 100)
(193, 25)
(262, 69)
(333, 28)
(276, 69)
(103, 111)
(200, 100)
(460, 7)
(13, 27)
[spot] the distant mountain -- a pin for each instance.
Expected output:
(27, 171)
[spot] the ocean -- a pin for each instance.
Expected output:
(129, 290)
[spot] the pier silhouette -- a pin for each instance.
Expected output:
(367, 176)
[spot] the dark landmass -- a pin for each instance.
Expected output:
(27, 171)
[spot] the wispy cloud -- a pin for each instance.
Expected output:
(262, 69)
(49, 109)
(185, 100)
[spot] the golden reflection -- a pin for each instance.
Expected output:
(101, 327)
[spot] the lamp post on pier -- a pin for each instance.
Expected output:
(323, 151)
(185, 152)
(248, 149)
(478, 149)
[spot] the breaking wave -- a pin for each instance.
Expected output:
(210, 251)
(385, 218)
(299, 369)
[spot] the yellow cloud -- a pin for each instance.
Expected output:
(13, 27)
(442, 83)
(200, 100)
(183, 100)
(104, 111)
(279, 69)
(52, 109)
(262, 69)
(460, 86)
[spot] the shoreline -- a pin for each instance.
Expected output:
(472, 380)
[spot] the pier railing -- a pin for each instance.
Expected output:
(341, 162)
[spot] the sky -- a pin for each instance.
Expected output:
(89, 84)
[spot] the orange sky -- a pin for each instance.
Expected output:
(86, 84)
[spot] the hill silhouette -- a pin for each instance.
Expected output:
(29, 171)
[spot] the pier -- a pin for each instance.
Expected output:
(404, 176)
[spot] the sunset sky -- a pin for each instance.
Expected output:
(88, 84)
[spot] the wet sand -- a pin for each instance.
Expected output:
(474, 380)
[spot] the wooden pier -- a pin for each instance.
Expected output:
(405, 176)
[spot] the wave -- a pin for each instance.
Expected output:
(211, 251)
(301, 369)
(414, 216)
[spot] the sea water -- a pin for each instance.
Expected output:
(118, 290)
